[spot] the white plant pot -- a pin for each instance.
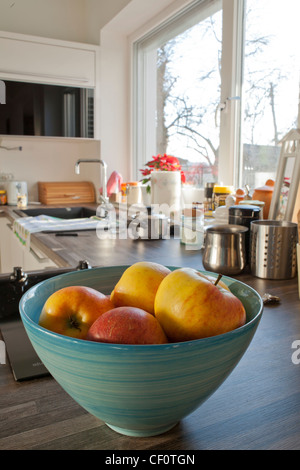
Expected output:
(166, 191)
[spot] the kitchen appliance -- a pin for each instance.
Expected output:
(273, 247)
(24, 362)
(13, 188)
(224, 249)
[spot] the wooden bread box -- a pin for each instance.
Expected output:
(66, 192)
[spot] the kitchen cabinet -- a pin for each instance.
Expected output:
(44, 60)
(12, 253)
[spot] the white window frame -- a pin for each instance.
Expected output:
(231, 79)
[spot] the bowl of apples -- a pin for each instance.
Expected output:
(142, 346)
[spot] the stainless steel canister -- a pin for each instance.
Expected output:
(224, 249)
(244, 215)
(273, 249)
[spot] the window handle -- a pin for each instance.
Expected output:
(222, 106)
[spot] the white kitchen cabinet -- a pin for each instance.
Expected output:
(34, 259)
(43, 60)
(13, 254)
(6, 246)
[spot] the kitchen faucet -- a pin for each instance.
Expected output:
(103, 177)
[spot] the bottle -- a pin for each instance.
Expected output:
(3, 197)
(208, 197)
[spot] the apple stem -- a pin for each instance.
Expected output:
(218, 279)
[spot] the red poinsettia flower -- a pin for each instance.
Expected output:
(163, 163)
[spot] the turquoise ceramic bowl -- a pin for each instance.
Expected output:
(137, 390)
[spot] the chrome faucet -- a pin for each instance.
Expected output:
(103, 176)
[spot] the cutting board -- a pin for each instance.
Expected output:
(60, 192)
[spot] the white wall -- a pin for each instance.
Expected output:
(49, 159)
(132, 22)
(98, 14)
(69, 20)
(57, 19)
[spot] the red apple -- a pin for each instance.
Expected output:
(72, 310)
(127, 325)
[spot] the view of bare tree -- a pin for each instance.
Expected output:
(179, 114)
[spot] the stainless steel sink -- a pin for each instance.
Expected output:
(60, 212)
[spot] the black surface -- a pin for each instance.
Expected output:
(24, 362)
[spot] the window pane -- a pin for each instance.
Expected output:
(188, 93)
(271, 85)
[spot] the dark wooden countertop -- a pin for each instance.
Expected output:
(257, 407)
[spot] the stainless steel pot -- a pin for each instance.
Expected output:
(224, 249)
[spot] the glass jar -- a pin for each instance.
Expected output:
(192, 228)
(220, 194)
(133, 193)
(3, 197)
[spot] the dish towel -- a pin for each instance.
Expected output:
(25, 226)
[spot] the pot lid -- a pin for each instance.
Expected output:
(269, 186)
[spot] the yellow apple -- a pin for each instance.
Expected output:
(190, 306)
(127, 325)
(138, 285)
(214, 280)
(72, 310)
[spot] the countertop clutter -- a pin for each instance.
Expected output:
(257, 407)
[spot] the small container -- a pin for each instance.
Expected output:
(208, 197)
(239, 196)
(265, 194)
(22, 201)
(244, 215)
(123, 192)
(259, 204)
(3, 197)
(133, 193)
(192, 228)
(220, 194)
(224, 250)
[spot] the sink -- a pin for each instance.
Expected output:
(60, 212)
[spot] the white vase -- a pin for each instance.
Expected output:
(146, 195)
(166, 191)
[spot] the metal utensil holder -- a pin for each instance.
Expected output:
(273, 249)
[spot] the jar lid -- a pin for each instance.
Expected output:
(252, 203)
(133, 183)
(244, 210)
(223, 189)
(2, 191)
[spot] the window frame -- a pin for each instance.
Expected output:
(231, 83)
